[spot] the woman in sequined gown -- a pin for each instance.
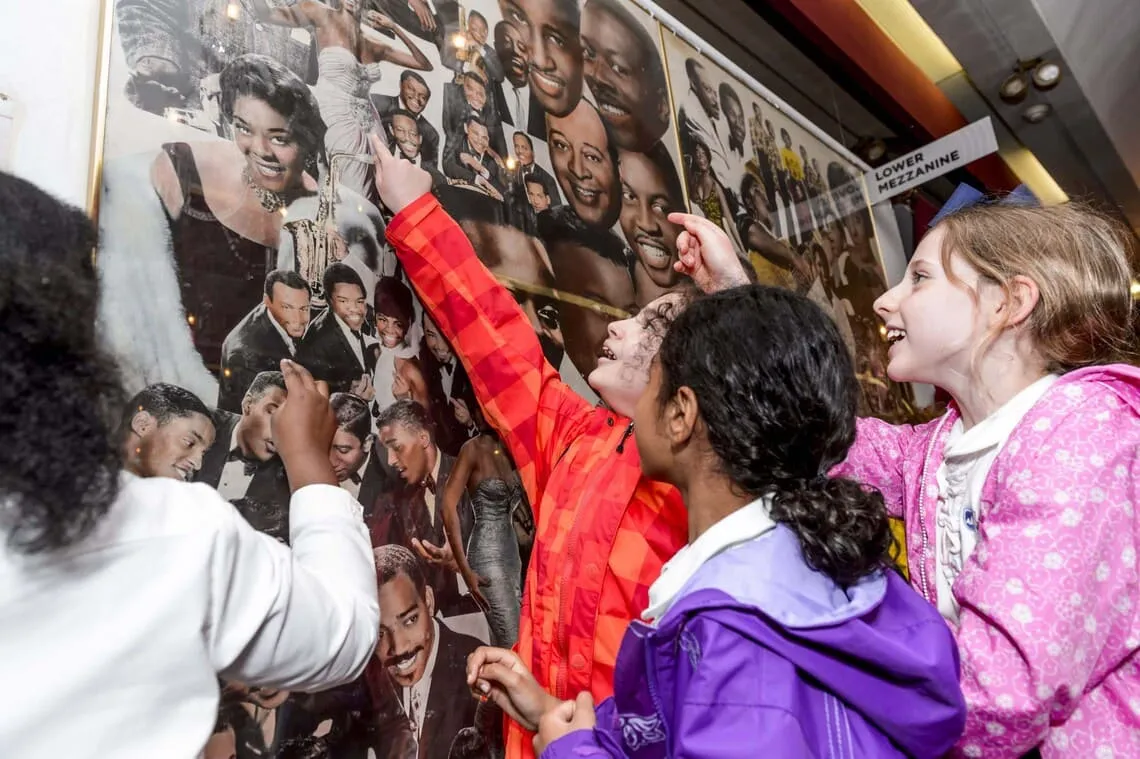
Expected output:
(490, 565)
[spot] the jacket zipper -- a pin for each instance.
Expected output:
(922, 509)
(563, 622)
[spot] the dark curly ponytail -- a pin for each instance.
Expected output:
(777, 394)
(59, 393)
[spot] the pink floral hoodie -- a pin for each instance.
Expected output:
(1050, 625)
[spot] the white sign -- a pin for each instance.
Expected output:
(957, 149)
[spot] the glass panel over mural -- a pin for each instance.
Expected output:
(240, 226)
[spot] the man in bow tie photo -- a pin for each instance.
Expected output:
(242, 464)
(268, 333)
(410, 514)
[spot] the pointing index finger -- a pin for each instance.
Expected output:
(379, 149)
(696, 225)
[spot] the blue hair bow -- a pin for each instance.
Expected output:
(965, 196)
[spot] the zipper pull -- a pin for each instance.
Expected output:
(624, 437)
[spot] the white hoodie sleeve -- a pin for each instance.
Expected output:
(303, 617)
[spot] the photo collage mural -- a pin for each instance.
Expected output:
(240, 226)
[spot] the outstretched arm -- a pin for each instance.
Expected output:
(380, 51)
(521, 394)
(298, 14)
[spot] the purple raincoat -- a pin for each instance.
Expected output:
(761, 656)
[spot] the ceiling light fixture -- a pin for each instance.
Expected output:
(1014, 89)
(1046, 76)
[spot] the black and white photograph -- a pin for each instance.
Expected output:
(792, 205)
(240, 226)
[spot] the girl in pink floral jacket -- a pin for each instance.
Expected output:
(1020, 502)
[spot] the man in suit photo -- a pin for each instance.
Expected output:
(470, 160)
(513, 97)
(413, 98)
(352, 453)
(699, 119)
(466, 97)
(420, 667)
(531, 189)
(269, 333)
(405, 140)
(243, 465)
(554, 68)
(410, 514)
(335, 348)
(453, 402)
(166, 431)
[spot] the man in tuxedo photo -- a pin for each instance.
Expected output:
(532, 189)
(470, 96)
(452, 397)
(243, 465)
(529, 171)
(335, 348)
(352, 449)
(405, 140)
(513, 97)
(411, 513)
(420, 666)
(166, 430)
(269, 333)
(413, 98)
(470, 160)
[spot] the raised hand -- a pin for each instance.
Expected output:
(424, 14)
(303, 428)
(378, 20)
(500, 675)
(397, 182)
(705, 254)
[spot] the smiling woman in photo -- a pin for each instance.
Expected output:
(221, 217)
(224, 200)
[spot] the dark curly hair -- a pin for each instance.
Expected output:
(777, 394)
(262, 78)
(60, 394)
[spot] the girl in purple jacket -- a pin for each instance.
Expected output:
(779, 629)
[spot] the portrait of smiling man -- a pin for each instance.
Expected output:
(585, 161)
(625, 74)
(420, 665)
(549, 29)
(166, 431)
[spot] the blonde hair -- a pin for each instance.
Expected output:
(1080, 260)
